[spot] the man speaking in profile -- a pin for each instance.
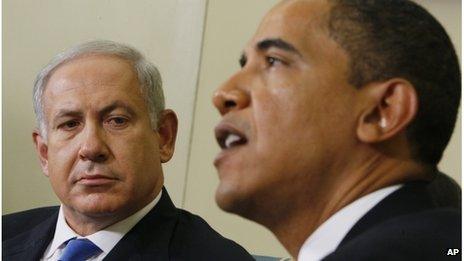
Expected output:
(333, 127)
(102, 135)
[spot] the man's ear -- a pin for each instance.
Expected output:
(391, 106)
(42, 150)
(167, 130)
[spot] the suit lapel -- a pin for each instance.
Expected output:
(31, 245)
(412, 197)
(150, 238)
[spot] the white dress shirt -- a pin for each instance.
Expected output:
(105, 239)
(328, 236)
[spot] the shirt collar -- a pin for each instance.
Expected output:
(105, 239)
(63, 233)
(325, 239)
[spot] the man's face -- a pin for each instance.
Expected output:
(102, 155)
(287, 113)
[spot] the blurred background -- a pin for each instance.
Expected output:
(196, 45)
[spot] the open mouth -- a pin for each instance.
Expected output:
(228, 137)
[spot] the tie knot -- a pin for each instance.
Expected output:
(79, 250)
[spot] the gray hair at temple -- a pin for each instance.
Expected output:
(147, 73)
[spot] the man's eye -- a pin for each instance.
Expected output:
(69, 125)
(273, 61)
(242, 61)
(117, 122)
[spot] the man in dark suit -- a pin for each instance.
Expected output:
(333, 127)
(102, 135)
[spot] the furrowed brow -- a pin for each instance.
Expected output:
(66, 113)
(276, 43)
(115, 105)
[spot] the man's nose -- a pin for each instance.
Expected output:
(231, 96)
(93, 146)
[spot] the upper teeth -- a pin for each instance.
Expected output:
(231, 139)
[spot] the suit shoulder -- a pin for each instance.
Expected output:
(16, 223)
(193, 236)
(426, 235)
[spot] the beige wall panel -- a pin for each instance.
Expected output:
(168, 32)
(229, 25)
(448, 12)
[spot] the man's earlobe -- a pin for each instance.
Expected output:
(41, 148)
(392, 107)
(167, 131)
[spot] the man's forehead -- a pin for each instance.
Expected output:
(295, 21)
(302, 11)
(90, 70)
(91, 78)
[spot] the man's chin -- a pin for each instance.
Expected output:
(98, 208)
(95, 212)
(224, 202)
(232, 200)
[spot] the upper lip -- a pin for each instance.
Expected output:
(94, 176)
(224, 129)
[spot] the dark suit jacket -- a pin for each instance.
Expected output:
(165, 233)
(420, 221)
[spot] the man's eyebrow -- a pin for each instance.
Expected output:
(67, 113)
(107, 109)
(115, 105)
(277, 43)
(243, 60)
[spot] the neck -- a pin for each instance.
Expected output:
(343, 188)
(84, 223)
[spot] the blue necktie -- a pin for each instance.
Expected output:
(79, 250)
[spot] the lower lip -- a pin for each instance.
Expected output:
(95, 182)
(221, 156)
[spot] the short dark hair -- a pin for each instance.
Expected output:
(398, 38)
